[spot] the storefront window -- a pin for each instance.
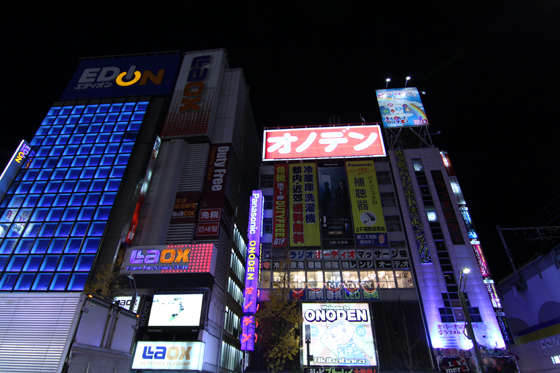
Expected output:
(315, 279)
(279, 279)
(404, 279)
(332, 278)
(387, 280)
(369, 279)
(265, 280)
(350, 279)
(297, 279)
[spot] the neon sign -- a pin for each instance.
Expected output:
(194, 258)
(252, 268)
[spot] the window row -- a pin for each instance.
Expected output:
(351, 279)
(95, 109)
(82, 127)
(101, 138)
(72, 173)
(61, 200)
(80, 161)
(56, 186)
(43, 281)
(43, 230)
(72, 245)
(46, 263)
(111, 148)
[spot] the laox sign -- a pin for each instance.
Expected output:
(155, 256)
(171, 353)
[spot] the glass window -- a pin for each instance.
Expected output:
(102, 213)
(77, 199)
(79, 161)
(68, 186)
(384, 178)
(61, 200)
(91, 245)
(44, 174)
(39, 214)
(23, 188)
(73, 173)
(24, 282)
(71, 150)
(47, 230)
(66, 263)
(80, 230)
(56, 246)
(46, 200)
(70, 214)
(315, 279)
(97, 228)
(53, 187)
(388, 199)
(265, 280)
(113, 185)
(368, 279)
(386, 280)
(97, 185)
(8, 280)
(31, 200)
(350, 279)
(77, 282)
(32, 230)
(108, 199)
(16, 263)
(297, 279)
(332, 278)
(404, 279)
(24, 247)
(85, 261)
(107, 160)
(73, 246)
(59, 281)
(63, 230)
(38, 187)
(42, 282)
(40, 246)
(393, 223)
(82, 186)
(278, 279)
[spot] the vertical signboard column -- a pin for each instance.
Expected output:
(280, 227)
(252, 271)
(303, 205)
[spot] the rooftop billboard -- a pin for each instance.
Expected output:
(344, 141)
(401, 107)
(125, 76)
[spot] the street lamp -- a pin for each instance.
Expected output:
(387, 82)
(462, 286)
(407, 79)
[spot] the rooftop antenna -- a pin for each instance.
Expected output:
(387, 82)
(407, 79)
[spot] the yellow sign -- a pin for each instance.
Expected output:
(304, 222)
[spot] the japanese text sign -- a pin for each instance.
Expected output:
(303, 206)
(252, 274)
(341, 334)
(481, 261)
(280, 228)
(369, 222)
(323, 142)
(401, 107)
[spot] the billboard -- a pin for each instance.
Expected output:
(176, 310)
(143, 191)
(367, 211)
(213, 193)
(401, 107)
(252, 270)
(126, 76)
(190, 258)
(195, 99)
(280, 226)
(334, 201)
(304, 223)
(341, 334)
(184, 208)
(323, 142)
(168, 356)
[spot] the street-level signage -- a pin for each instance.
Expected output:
(169, 355)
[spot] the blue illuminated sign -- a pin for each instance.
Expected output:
(127, 76)
(401, 107)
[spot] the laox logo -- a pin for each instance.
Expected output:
(171, 353)
(155, 256)
(98, 77)
(192, 94)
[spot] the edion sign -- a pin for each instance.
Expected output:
(323, 142)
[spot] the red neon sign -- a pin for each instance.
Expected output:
(323, 142)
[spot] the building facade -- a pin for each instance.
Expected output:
(143, 154)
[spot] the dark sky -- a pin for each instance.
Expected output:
(489, 74)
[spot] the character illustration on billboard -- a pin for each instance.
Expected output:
(345, 341)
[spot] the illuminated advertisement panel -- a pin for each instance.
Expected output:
(143, 191)
(192, 258)
(184, 208)
(323, 142)
(401, 107)
(481, 261)
(334, 202)
(193, 106)
(341, 334)
(176, 310)
(303, 205)
(169, 356)
(252, 268)
(22, 158)
(369, 222)
(280, 227)
(127, 76)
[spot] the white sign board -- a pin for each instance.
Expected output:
(169, 355)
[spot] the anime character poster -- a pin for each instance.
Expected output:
(341, 334)
(335, 206)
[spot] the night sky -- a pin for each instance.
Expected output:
(489, 74)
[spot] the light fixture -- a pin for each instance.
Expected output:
(466, 270)
(387, 82)
(407, 79)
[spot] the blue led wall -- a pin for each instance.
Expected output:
(54, 214)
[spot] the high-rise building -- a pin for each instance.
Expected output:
(140, 175)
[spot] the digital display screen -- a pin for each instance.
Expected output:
(176, 310)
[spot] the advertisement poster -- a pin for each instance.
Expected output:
(401, 107)
(176, 310)
(303, 205)
(334, 201)
(367, 211)
(280, 226)
(341, 334)
(502, 364)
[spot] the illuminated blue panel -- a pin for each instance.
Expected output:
(55, 213)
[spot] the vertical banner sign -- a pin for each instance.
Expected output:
(213, 193)
(447, 207)
(252, 268)
(280, 227)
(334, 208)
(143, 191)
(412, 205)
(192, 109)
(481, 261)
(369, 222)
(303, 205)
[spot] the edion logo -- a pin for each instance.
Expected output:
(192, 93)
(155, 256)
(23, 151)
(98, 77)
(169, 353)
